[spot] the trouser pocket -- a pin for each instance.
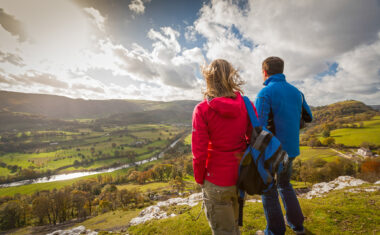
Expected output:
(221, 208)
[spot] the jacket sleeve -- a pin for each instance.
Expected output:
(262, 104)
(308, 116)
(199, 144)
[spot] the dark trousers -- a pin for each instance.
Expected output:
(272, 207)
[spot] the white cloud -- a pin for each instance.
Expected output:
(308, 35)
(166, 63)
(99, 20)
(59, 52)
(190, 33)
(137, 6)
(60, 61)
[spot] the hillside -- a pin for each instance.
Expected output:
(171, 112)
(339, 212)
(19, 121)
(340, 109)
(343, 206)
(66, 108)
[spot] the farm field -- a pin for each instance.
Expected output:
(325, 154)
(32, 188)
(370, 133)
(58, 151)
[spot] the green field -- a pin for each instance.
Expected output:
(99, 149)
(32, 188)
(113, 220)
(370, 133)
(326, 154)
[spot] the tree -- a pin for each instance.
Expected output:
(60, 204)
(326, 133)
(124, 196)
(370, 166)
(40, 208)
(10, 214)
(314, 142)
(366, 145)
(105, 206)
(178, 184)
(133, 176)
(131, 155)
(330, 141)
(79, 199)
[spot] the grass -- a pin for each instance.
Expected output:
(326, 154)
(4, 171)
(32, 188)
(145, 187)
(188, 140)
(113, 220)
(337, 213)
(370, 132)
(297, 184)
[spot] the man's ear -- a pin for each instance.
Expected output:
(265, 73)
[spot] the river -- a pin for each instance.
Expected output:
(74, 175)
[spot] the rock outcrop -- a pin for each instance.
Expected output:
(74, 231)
(339, 183)
(156, 212)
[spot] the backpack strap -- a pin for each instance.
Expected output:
(251, 112)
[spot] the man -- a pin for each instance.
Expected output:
(279, 106)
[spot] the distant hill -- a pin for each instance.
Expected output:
(60, 107)
(340, 109)
(171, 113)
(377, 107)
(137, 111)
(20, 121)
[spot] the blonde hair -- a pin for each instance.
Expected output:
(222, 79)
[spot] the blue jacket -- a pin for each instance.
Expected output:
(279, 106)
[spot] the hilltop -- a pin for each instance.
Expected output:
(340, 109)
(59, 107)
(138, 111)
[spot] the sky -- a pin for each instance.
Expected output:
(154, 49)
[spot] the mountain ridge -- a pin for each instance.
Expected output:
(61, 107)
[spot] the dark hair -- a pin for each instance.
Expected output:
(273, 65)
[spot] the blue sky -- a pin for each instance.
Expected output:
(128, 27)
(153, 49)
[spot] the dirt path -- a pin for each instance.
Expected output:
(352, 158)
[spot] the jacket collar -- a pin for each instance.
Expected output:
(279, 77)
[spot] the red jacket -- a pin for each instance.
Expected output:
(221, 128)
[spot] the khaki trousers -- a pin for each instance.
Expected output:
(221, 208)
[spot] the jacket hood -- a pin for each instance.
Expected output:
(227, 107)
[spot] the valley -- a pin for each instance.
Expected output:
(141, 152)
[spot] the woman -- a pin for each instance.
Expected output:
(221, 128)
